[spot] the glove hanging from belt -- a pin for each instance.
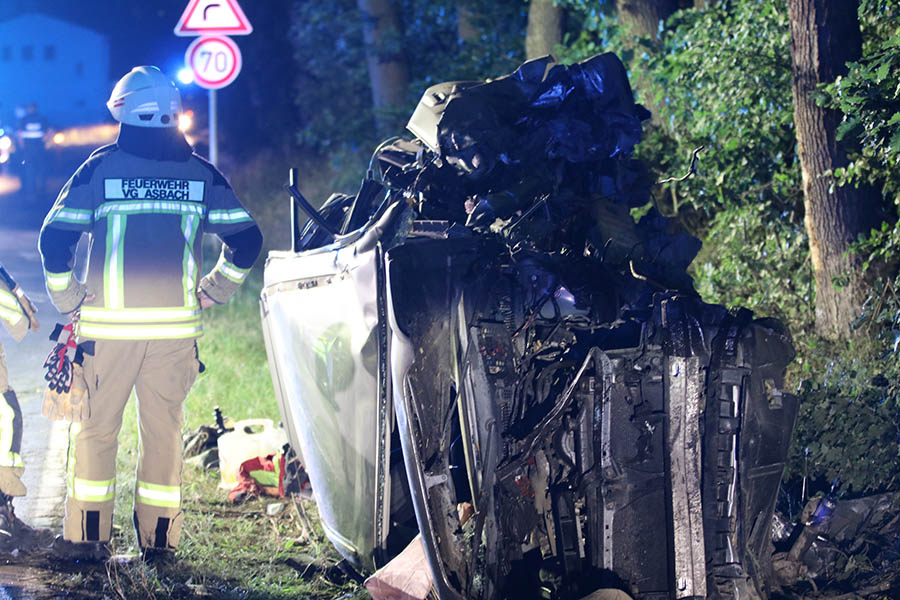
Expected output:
(66, 396)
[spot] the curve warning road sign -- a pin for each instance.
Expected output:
(208, 17)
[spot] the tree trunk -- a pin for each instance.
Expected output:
(546, 23)
(642, 17)
(388, 69)
(465, 26)
(824, 36)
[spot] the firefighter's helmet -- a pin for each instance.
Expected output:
(145, 98)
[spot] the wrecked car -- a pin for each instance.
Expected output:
(483, 328)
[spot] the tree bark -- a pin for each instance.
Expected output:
(388, 68)
(465, 26)
(546, 23)
(825, 35)
(642, 17)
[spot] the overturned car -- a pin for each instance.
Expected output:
(484, 327)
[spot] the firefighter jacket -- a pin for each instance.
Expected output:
(146, 215)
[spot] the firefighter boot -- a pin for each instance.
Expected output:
(158, 557)
(63, 549)
(7, 521)
(11, 466)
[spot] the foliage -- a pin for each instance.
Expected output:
(328, 39)
(848, 438)
(851, 429)
(258, 112)
(333, 98)
(744, 260)
(438, 53)
(721, 80)
(869, 96)
(849, 433)
(747, 135)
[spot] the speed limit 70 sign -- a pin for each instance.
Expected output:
(215, 61)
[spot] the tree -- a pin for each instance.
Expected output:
(546, 23)
(465, 25)
(262, 98)
(388, 68)
(825, 36)
(642, 17)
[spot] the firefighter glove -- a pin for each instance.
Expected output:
(28, 308)
(66, 396)
(70, 298)
(10, 484)
(70, 404)
(218, 287)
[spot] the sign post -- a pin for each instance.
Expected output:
(213, 133)
(214, 58)
(216, 62)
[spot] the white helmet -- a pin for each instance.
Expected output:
(145, 98)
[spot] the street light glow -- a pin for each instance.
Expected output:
(185, 120)
(186, 76)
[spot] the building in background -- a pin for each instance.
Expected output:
(61, 66)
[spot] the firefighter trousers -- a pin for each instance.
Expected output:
(161, 373)
(11, 466)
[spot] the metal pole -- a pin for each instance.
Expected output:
(213, 142)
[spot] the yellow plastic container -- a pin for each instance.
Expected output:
(251, 438)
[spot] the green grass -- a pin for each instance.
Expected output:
(228, 551)
(237, 375)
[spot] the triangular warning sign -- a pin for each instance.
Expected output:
(202, 17)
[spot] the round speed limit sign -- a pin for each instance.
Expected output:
(215, 61)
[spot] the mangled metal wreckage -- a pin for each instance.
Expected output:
(484, 324)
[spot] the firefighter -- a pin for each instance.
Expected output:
(146, 200)
(32, 131)
(17, 314)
